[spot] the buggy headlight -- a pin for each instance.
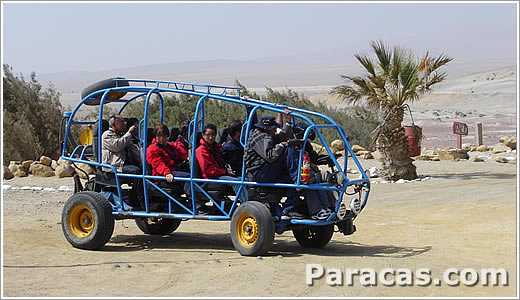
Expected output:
(355, 206)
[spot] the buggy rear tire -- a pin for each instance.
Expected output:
(104, 84)
(252, 229)
(157, 226)
(314, 236)
(87, 221)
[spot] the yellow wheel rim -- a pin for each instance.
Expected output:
(247, 230)
(81, 221)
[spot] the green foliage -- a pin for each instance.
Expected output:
(30, 118)
(358, 122)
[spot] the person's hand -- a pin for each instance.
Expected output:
(231, 173)
(286, 144)
(169, 177)
(287, 111)
(133, 130)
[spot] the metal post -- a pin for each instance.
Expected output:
(479, 134)
(459, 141)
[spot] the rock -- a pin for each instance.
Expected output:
(473, 149)
(453, 154)
(478, 159)
(374, 172)
(503, 139)
(45, 160)
(42, 170)
(400, 181)
(320, 150)
(60, 172)
(436, 158)
(49, 190)
(27, 164)
(501, 159)
(364, 155)
(511, 142)
(467, 146)
(423, 157)
(499, 148)
(54, 164)
(377, 155)
(429, 152)
(17, 169)
(7, 173)
(337, 145)
(62, 161)
(482, 148)
(85, 167)
(64, 188)
(357, 148)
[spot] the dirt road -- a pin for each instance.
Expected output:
(463, 217)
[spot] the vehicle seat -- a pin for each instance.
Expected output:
(104, 127)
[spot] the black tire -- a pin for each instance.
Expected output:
(314, 236)
(87, 221)
(252, 229)
(105, 84)
(157, 226)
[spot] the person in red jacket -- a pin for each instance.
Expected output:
(210, 160)
(163, 158)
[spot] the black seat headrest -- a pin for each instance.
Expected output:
(174, 134)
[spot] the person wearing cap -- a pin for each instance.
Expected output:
(269, 159)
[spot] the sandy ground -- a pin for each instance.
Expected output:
(463, 217)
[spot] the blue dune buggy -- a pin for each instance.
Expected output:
(89, 214)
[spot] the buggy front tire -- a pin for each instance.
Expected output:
(252, 229)
(87, 221)
(314, 236)
(157, 226)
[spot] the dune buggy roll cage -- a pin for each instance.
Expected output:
(80, 153)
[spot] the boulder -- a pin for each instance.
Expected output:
(453, 154)
(499, 148)
(377, 155)
(60, 172)
(501, 160)
(356, 148)
(45, 160)
(374, 172)
(27, 164)
(467, 146)
(54, 164)
(364, 155)
(482, 148)
(436, 158)
(429, 151)
(85, 167)
(337, 145)
(42, 170)
(423, 157)
(511, 142)
(7, 173)
(503, 139)
(478, 159)
(17, 169)
(473, 149)
(320, 150)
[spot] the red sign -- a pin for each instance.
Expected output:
(460, 128)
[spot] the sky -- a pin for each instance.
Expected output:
(55, 37)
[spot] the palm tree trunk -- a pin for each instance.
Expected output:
(393, 145)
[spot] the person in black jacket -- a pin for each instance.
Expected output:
(232, 151)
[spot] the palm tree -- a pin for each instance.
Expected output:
(397, 78)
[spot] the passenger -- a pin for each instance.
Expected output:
(134, 148)
(182, 144)
(232, 150)
(269, 158)
(162, 157)
(115, 144)
(317, 200)
(210, 160)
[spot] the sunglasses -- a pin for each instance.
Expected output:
(209, 134)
